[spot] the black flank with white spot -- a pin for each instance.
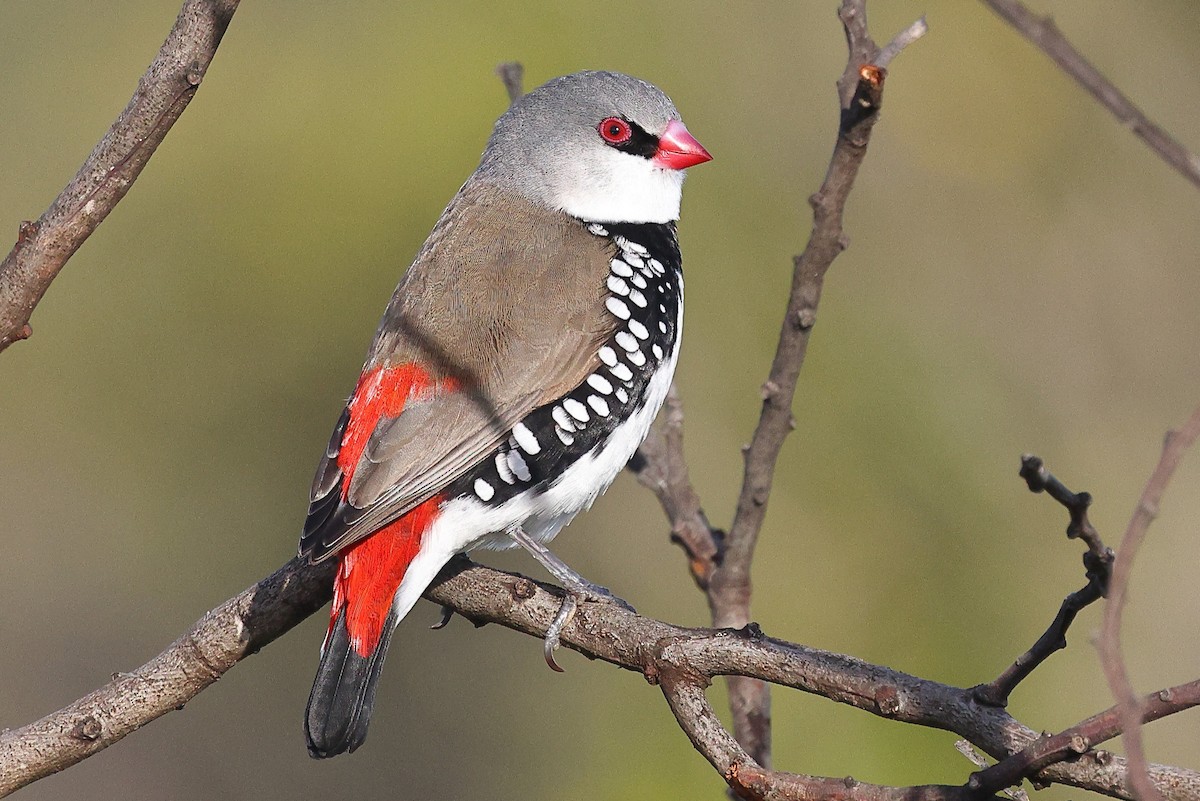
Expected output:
(645, 292)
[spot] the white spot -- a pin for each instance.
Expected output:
(622, 395)
(620, 268)
(599, 404)
(576, 410)
(621, 372)
(617, 285)
(637, 358)
(608, 355)
(626, 341)
(638, 298)
(562, 418)
(563, 436)
(484, 490)
(599, 383)
(634, 260)
(638, 330)
(662, 326)
(526, 439)
(632, 247)
(656, 266)
(656, 350)
(597, 229)
(638, 280)
(662, 308)
(617, 307)
(518, 465)
(506, 473)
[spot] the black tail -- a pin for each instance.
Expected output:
(339, 707)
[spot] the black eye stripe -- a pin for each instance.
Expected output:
(640, 143)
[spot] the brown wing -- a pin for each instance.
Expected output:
(506, 302)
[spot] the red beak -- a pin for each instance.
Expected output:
(678, 149)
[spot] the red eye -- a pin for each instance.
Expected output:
(615, 131)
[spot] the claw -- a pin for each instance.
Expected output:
(565, 613)
(447, 615)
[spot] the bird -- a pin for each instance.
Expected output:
(517, 368)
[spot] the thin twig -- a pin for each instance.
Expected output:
(43, 247)
(900, 41)
(1013, 791)
(1039, 479)
(861, 93)
(1175, 445)
(512, 73)
(660, 466)
(1081, 738)
(1097, 562)
(1049, 39)
(1046, 36)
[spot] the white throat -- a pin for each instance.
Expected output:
(619, 187)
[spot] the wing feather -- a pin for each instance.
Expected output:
(504, 303)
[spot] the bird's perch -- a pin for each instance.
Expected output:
(680, 660)
(43, 246)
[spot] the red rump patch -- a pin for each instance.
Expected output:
(382, 392)
(371, 570)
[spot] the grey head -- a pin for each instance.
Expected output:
(600, 146)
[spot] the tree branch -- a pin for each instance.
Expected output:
(661, 467)
(1109, 645)
(43, 247)
(720, 564)
(748, 779)
(861, 93)
(1049, 39)
(659, 651)
(218, 641)
(512, 75)
(1097, 562)
(1081, 738)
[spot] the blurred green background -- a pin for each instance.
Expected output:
(1022, 276)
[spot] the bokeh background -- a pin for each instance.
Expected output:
(1022, 276)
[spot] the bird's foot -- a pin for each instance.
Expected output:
(589, 592)
(585, 590)
(578, 590)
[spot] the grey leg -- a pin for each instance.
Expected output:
(571, 580)
(578, 589)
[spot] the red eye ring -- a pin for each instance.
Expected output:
(615, 130)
